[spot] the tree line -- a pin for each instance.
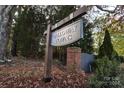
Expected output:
(22, 28)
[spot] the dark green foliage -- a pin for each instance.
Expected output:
(28, 30)
(87, 41)
(106, 49)
(63, 11)
(106, 68)
(106, 74)
(31, 23)
(121, 76)
(30, 26)
(57, 13)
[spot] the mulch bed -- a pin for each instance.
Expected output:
(30, 75)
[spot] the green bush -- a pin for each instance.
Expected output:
(106, 74)
(121, 75)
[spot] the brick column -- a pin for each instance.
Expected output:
(73, 58)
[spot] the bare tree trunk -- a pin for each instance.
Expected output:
(4, 27)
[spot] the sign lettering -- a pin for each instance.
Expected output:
(68, 34)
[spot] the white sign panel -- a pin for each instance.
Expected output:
(68, 34)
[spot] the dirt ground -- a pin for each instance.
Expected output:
(28, 73)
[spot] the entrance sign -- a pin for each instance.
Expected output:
(60, 35)
(67, 34)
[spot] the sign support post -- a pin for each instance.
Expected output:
(48, 56)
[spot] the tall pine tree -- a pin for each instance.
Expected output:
(106, 49)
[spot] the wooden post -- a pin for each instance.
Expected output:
(48, 56)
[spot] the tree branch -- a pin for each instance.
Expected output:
(110, 11)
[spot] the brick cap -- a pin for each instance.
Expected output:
(73, 49)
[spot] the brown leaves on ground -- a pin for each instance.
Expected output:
(29, 74)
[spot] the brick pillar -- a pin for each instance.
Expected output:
(73, 58)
